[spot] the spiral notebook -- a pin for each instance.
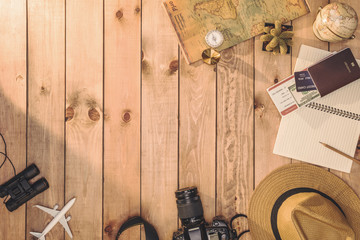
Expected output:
(333, 119)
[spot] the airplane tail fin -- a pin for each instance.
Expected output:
(38, 235)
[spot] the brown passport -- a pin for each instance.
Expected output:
(334, 72)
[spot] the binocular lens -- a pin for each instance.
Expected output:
(3, 192)
(189, 205)
(31, 172)
(40, 185)
(12, 205)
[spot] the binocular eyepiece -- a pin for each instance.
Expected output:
(19, 188)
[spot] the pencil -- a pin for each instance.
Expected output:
(341, 153)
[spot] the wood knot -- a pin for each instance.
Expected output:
(174, 65)
(145, 67)
(94, 114)
(19, 78)
(276, 80)
(137, 10)
(69, 114)
(44, 90)
(119, 14)
(259, 109)
(227, 55)
(108, 229)
(256, 105)
(126, 117)
(142, 55)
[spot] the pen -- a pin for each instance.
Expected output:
(341, 153)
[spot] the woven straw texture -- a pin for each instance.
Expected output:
(299, 176)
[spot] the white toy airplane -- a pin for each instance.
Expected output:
(59, 216)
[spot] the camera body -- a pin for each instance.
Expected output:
(19, 188)
(194, 226)
(217, 230)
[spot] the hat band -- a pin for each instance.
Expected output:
(286, 195)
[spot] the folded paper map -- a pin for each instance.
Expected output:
(237, 20)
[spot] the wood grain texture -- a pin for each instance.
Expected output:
(353, 178)
(159, 164)
(46, 107)
(13, 105)
(235, 130)
(269, 69)
(84, 97)
(303, 34)
(303, 30)
(357, 152)
(197, 133)
(140, 122)
(122, 115)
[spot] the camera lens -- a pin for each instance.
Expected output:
(189, 205)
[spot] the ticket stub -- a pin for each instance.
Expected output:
(287, 99)
(304, 81)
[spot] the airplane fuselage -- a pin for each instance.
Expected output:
(56, 219)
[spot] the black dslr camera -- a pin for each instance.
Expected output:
(20, 190)
(194, 226)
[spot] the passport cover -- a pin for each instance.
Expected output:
(335, 72)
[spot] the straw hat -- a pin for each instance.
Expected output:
(301, 201)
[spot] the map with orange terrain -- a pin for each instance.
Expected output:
(237, 20)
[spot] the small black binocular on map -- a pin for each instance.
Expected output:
(19, 188)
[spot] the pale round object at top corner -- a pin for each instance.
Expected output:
(335, 22)
(214, 38)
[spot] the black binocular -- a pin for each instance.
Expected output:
(19, 188)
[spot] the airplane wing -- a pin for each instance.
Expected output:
(38, 235)
(63, 222)
(50, 211)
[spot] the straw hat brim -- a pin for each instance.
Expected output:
(294, 176)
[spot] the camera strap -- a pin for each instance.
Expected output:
(150, 231)
(231, 224)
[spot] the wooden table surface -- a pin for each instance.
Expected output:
(98, 95)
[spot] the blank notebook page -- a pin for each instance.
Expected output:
(301, 131)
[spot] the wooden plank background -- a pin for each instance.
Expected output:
(46, 89)
(98, 95)
(13, 101)
(122, 73)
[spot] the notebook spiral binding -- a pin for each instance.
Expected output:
(332, 110)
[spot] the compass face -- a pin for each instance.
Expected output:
(214, 38)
